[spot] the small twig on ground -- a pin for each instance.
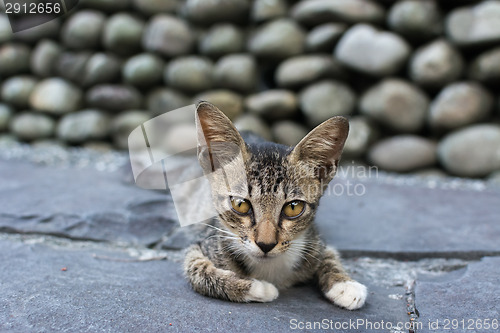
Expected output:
(164, 257)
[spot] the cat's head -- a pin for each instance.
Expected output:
(266, 194)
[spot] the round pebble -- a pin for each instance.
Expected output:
(362, 133)
(397, 104)
(44, 58)
(324, 37)
(101, 68)
(280, 39)
(5, 29)
(486, 67)
(153, 7)
(222, 39)
(56, 96)
(325, 99)
(403, 153)
(237, 72)
(416, 19)
(72, 65)
(168, 35)
(460, 104)
(17, 90)
(191, 74)
(370, 51)
(436, 64)
(83, 126)
(113, 97)
(272, 104)
(14, 59)
(265, 10)
(301, 70)
(123, 34)
(83, 29)
(143, 70)
(314, 12)
(254, 124)
(30, 126)
(110, 6)
(471, 152)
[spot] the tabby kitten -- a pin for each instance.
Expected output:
(266, 196)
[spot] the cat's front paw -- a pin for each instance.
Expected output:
(349, 294)
(262, 291)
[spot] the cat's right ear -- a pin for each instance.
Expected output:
(218, 139)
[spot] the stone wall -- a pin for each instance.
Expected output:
(419, 79)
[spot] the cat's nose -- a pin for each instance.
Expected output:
(266, 247)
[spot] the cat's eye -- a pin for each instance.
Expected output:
(294, 209)
(240, 206)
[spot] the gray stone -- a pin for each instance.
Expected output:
(494, 178)
(431, 173)
(471, 152)
(371, 51)
(222, 39)
(252, 123)
(403, 153)
(49, 29)
(153, 7)
(272, 104)
(113, 97)
(314, 12)
(326, 99)
(83, 126)
(436, 64)
(123, 34)
(236, 71)
(143, 70)
(14, 59)
(362, 133)
(474, 25)
(6, 113)
(424, 221)
(82, 203)
(101, 68)
(56, 96)
(208, 12)
(99, 285)
(83, 29)
(445, 301)
(396, 104)
(265, 10)
(17, 90)
(5, 29)
(324, 37)
(191, 74)
(460, 104)
(162, 100)
(168, 35)
(301, 70)
(124, 123)
(278, 39)
(30, 126)
(416, 19)
(72, 65)
(227, 101)
(288, 132)
(110, 6)
(44, 58)
(486, 67)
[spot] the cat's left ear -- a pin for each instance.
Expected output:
(320, 150)
(218, 139)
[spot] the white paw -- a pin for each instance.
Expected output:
(350, 294)
(262, 291)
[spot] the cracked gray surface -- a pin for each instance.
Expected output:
(78, 210)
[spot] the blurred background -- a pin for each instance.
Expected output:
(419, 79)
